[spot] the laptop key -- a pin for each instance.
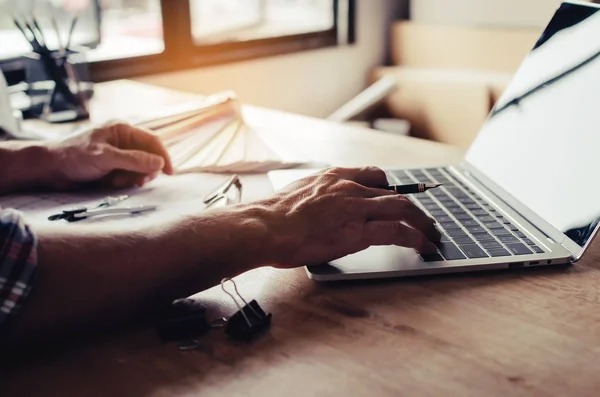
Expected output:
(450, 251)
(450, 225)
(509, 239)
(518, 249)
(444, 218)
(473, 251)
(444, 238)
(436, 212)
(432, 257)
(501, 232)
(464, 240)
(537, 249)
(470, 222)
(486, 218)
(453, 207)
(493, 225)
(520, 234)
(479, 212)
(529, 242)
(496, 252)
(445, 201)
(484, 236)
(488, 245)
(463, 217)
(456, 233)
(476, 229)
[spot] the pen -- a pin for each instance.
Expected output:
(71, 30)
(39, 30)
(412, 188)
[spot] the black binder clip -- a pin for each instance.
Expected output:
(184, 319)
(249, 321)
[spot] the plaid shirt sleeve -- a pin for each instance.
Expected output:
(18, 262)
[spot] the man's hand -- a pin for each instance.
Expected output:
(95, 276)
(342, 211)
(117, 155)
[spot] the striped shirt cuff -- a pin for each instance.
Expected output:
(18, 262)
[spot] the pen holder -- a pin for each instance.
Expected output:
(58, 86)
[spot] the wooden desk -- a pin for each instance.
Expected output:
(526, 333)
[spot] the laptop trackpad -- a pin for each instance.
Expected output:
(372, 261)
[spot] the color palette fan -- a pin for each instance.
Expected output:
(214, 137)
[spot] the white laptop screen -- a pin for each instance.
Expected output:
(541, 142)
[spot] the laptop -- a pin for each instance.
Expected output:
(528, 190)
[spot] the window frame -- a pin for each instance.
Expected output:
(180, 51)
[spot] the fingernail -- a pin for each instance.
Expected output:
(157, 163)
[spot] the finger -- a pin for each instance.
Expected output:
(366, 176)
(353, 189)
(116, 179)
(126, 179)
(143, 179)
(152, 176)
(395, 233)
(141, 139)
(130, 160)
(400, 208)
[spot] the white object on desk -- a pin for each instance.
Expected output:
(201, 134)
(173, 195)
(216, 138)
(8, 121)
(367, 99)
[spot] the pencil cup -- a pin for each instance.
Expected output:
(58, 86)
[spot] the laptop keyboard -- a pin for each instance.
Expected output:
(471, 227)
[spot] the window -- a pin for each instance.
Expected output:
(238, 20)
(135, 37)
(129, 28)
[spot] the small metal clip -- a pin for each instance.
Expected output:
(112, 200)
(249, 321)
(218, 323)
(189, 345)
(70, 215)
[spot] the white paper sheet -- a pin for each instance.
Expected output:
(173, 195)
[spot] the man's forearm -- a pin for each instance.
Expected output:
(24, 165)
(91, 278)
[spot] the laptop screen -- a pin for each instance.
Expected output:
(541, 142)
